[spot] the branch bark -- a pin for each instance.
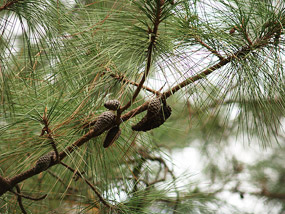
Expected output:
(19, 198)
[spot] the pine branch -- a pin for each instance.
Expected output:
(259, 43)
(124, 80)
(4, 185)
(272, 195)
(199, 76)
(213, 51)
(153, 34)
(135, 111)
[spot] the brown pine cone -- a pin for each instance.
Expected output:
(44, 162)
(104, 122)
(112, 135)
(141, 124)
(161, 117)
(148, 123)
(153, 107)
(112, 105)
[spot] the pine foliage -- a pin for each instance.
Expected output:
(219, 65)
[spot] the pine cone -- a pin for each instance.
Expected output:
(44, 162)
(153, 107)
(161, 117)
(140, 126)
(112, 105)
(112, 135)
(104, 122)
(148, 123)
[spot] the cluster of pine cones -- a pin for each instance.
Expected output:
(157, 114)
(106, 122)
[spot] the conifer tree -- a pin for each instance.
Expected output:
(95, 95)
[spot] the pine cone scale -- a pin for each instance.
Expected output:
(153, 107)
(112, 105)
(44, 162)
(104, 122)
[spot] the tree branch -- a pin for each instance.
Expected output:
(70, 189)
(19, 198)
(213, 51)
(272, 195)
(153, 34)
(46, 129)
(30, 197)
(5, 185)
(202, 74)
(259, 43)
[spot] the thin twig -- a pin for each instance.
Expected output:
(19, 198)
(46, 129)
(30, 197)
(89, 184)
(61, 181)
(153, 34)
(124, 80)
(213, 51)
(146, 155)
(58, 178)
